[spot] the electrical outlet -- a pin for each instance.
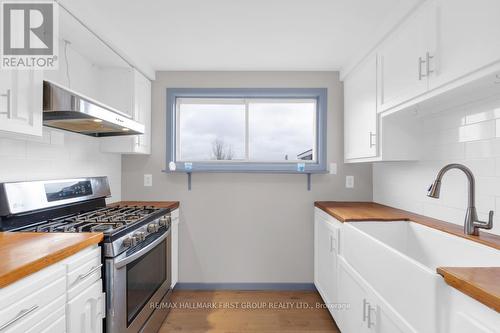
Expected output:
(333, 168)
(349, 181)
(148, 180)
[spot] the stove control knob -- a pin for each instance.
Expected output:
(164, 221)
(140, 236)
(130, 241)
(153, 227)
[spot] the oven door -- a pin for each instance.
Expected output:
(137, 281)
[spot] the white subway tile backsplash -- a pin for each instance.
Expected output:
(483, 114)
(482, 149)
(470, 135)
(485, 167)
(57, 155)
(479, 131)
(12, 148)
(452, 151)
(57, 138)
(439, 122)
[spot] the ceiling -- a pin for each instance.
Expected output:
(241, 34)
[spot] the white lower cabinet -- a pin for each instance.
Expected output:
(25, 303)
(85, 308)
(326, 240)
(64, 297)
(354, 294)
(175, 247)
(85, 312)
(349, 282)
(366, 310)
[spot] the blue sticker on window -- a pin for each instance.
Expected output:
(301, 167)
(188, 166)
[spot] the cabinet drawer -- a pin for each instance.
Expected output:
(51, 278)
(43, 319)
(88, 270)
(76, 261)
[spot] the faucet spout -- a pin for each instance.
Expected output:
(472, 224)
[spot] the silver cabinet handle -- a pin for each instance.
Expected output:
(365, 303)
(9, 106)
(20, 315)
(420, 74)
(370, 322)
(428, 58)
(83, 276)
(371, 139)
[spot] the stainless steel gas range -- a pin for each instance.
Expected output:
(136, 247)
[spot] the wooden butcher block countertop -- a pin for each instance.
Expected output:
(24, 253)
(481, 283)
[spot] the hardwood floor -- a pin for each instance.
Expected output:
(248, 311)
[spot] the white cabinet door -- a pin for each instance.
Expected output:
(325, 259)
(360, 111)
(85, 312)
(367, 311)
(141, 112)
(385, 319)
(21, 101)
(353, 292)
(468, 38)
(175, 250)
(402, 71)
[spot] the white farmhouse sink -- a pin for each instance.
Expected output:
(399, 259)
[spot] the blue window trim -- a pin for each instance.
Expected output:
(320, 94)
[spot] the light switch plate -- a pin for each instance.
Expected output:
(333, 168)
(148, 180)
(349, 181)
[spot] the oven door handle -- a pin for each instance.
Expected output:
(123, 262)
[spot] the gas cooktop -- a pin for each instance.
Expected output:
(108, 220)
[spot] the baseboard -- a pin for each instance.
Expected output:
(245, 286)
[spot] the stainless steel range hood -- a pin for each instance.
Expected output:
(68, 110)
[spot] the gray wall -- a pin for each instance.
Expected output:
(245, 227)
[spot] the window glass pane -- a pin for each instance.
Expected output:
(211, 131)
(282, 131)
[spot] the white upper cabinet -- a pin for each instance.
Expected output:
(21, 101)
(468, 38)
(140, 111)
(360, 111)
(143, 112)
(403, 59)
(444, 52)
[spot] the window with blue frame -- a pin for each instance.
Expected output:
(246, 130)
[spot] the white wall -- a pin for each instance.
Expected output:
(56, 155)
(245, 227)
(469, 134)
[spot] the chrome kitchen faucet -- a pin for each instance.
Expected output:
(472, 224)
